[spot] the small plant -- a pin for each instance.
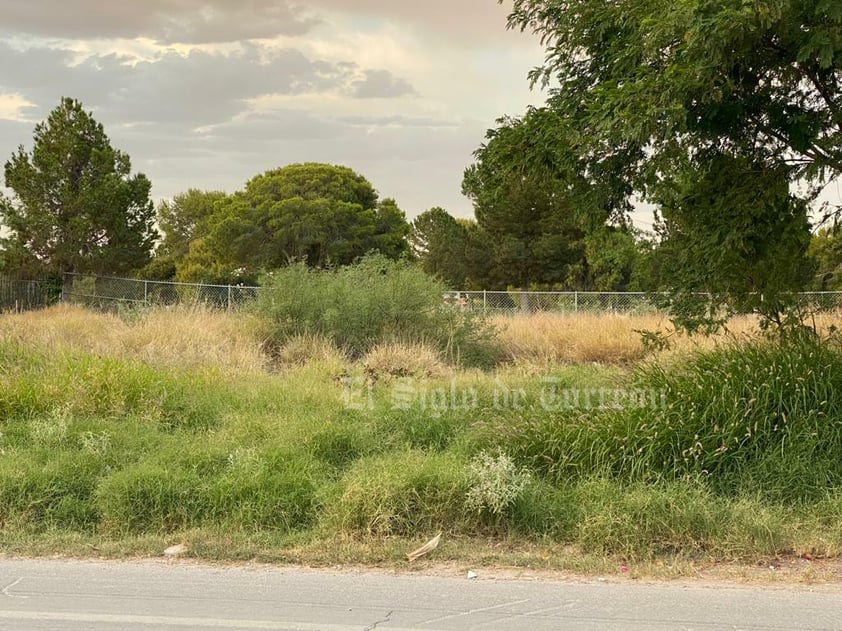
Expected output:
(95, 442)
(495, 482)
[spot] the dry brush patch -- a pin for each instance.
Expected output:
(182, 337)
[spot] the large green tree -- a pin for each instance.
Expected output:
(659, 92)
(317, 213)
(76, 205)
(536, 205)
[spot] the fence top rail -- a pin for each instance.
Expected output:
(161, 282)
(516, 292)
(453, 293)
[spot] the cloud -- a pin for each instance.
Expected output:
(166, 21)
(13, 106)
(465, 22)
(380, 84)
(194, 90)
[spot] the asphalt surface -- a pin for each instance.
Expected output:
(73, 595)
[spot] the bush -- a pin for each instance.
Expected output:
(374, 301)
(408, 494)
(495, 483)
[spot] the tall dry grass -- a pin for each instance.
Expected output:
(162, 337)
(546, 339)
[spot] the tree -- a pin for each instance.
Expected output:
(316, 213)
(732, 231)
(534, 203)
(657, 90)
(184, 219)
(77, 208)
(439, 243)
(826, 252)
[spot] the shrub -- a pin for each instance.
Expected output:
(374, 301)
(404, 360)
(404, 493)
(495, 483)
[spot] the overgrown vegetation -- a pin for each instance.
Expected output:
(725, 452)
(374, 301)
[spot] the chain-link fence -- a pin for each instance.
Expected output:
(522, 302)
(25, 295)
(107, 292)
(102, 292)
(630, 303)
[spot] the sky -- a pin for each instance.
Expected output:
(209, 93)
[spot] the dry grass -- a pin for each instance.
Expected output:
(551, 338)
(404, 360)
(308, 348)
(180, 337)
(546, 339)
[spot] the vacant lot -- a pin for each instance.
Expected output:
(121, 435)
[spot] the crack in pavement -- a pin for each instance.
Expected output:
(5, 590)
(374, 624)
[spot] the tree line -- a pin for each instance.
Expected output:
(724, 117)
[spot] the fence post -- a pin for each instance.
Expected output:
(146, 292)
(229, 297)
(484, 301)
(576, 301)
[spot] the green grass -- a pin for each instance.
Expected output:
(124, 455)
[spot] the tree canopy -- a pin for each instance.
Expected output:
(665, 95)
(439, 243)
(319, 214)
(185, 218)
(76, 206)
(537, 207)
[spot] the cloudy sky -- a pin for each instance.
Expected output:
(208, 93)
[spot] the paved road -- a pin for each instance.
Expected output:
(64, 596)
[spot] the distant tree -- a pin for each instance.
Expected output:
(182, 220)
(826, 252)
(76, 207)
(611, 256)
(185, 218)
(534, 204)
(440, 242)
(316, 213)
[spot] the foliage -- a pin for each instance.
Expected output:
(495, 482)
(529, 211)
(316, 213)
(659, 91)
(826, 252)
(762, 416)
(439, 243)
(184, 219)
(373, 301)
(733, 232)
(404, 493)
(102, 449)
(76, 206)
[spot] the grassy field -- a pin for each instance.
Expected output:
(581, 451)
